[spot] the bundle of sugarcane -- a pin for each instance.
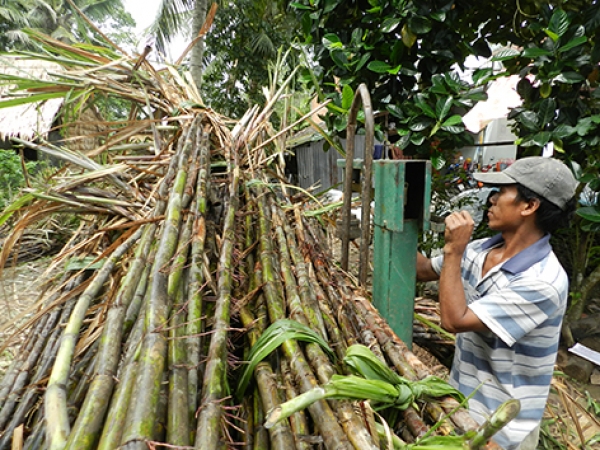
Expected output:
(428, 332)
(180, 272)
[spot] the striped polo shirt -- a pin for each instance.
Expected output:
(522, 301)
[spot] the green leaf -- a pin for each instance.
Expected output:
(379, 67)
(417, 139)
(419, 24)
(347, 96)
(591, 213)
(330, 5)
(306, 25)
(438, 162)
(569, 78)
(442, 107)
(361, 361)
(535, 52)
(363, 60)
(421, 102)
(538, 139)
(559, 23)
(357, 36)
(454, 129)
(562, 131)
(574, 43)
(481, 74)
(15, 207)
(419, 125)
(547, 112)
(331, 41)
(505, 55)
(555, 37)
(529, 119)
(390, 24)
(86, 262)
(300, 6)
(275, 335)
(395, 111)
(339, 58)
(452, 120)
(31, 99)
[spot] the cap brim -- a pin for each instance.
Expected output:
(493, 178)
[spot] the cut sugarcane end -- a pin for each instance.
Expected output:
(273, 416)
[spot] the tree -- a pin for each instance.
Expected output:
(404, 51)
(559, 69)
(59, 19)
(241, 48)
(230, 65)
(174, 17)
(13, 18)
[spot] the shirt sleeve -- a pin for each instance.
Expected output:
(436, 263)
(514, 311)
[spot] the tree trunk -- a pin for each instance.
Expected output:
(197, 52)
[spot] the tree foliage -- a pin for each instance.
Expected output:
(59, 19)
(404, 51)
(241, 48)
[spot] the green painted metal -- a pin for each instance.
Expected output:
(402, 200)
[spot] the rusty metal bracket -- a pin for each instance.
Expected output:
(361, 98)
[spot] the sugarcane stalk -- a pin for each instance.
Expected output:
(141, 417)
(307, 298)
(194, 318)
(280, 435)
(42, 370)
(259, 433)
(354, 427)
(28, 352)
(333, 435)
(298, 420)
(55, 399)
(90, 419)
(506, 412)
(114, 422)
(178, 424)
(19, 374)
(213, 385)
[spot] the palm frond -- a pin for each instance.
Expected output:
(171, 19)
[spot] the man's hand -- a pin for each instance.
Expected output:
(459, 227)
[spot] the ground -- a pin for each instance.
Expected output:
(19, 291)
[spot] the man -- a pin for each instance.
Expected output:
(506, 296)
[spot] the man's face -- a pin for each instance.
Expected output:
(505, 210)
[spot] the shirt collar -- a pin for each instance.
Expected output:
(526, 257)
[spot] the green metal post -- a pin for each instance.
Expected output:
(402, 199)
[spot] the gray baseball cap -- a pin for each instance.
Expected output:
(547, 177)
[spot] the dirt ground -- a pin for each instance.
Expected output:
(19, 290)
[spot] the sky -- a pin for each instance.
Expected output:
(144, 12)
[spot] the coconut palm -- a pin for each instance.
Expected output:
(56, 18)
(243, 41)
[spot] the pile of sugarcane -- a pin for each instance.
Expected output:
(187, 252)
(428, 332)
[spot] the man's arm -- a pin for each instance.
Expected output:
(455, 315)
(425, 271)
